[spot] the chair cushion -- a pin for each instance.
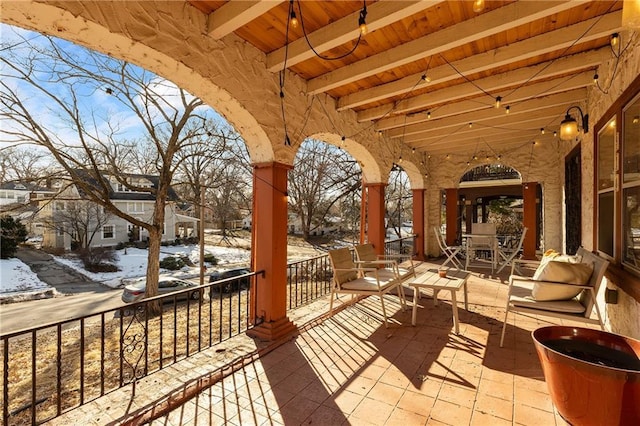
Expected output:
(367, 284)
(563, 306)
(565, 273)
(342, 259)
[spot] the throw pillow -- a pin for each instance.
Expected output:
(565, 273)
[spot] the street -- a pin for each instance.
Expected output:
(79, 295)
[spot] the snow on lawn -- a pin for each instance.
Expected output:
(17, 277)
(132, 262)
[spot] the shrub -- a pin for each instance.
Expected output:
(172, 263)
(12, 233)
(98, 259)
(210, 258)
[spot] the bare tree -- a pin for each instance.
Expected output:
(90, 112)
(398, 200)
(19, 164)
(322, 176)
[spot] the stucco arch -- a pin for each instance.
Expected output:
(371, 171)
(58, 22)
(415, 176)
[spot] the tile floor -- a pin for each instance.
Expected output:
(349, 369)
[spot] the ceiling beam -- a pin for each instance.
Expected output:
(481, 120)
(451, 94)
(531, 122)
(235, 14)
(487, 24)
(498, 143)
(465, 107)
(379, 14)
(529, 48)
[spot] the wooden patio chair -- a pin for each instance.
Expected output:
(556, 296)
(348, 278)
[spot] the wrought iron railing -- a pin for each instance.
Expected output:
(53, 368)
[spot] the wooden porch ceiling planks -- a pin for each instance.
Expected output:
(485, 25)
(550, 48)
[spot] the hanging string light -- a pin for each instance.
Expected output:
(507, 109)
(478, 6)
(498, 101)
(362, 20)
(293, 19)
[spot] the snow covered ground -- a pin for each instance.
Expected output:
(16, 278)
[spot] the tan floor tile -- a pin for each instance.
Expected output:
(372, 411)
(326, 416)
(416, 403)
(449, 413)
(400, 417)
(345, 401)
(385, 393)
(526, 415)
(496, 389)
(360, 385)
(496, 407)
(298, 409)
(532, 398)
(457, 395)
(485, 419)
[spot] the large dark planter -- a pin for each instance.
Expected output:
(593, 376)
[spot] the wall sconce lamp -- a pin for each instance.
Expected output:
(631, 14)
(569, 126)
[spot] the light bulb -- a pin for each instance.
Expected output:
(615, 38)
(507, 109)
(294, 20)
(478, 6)
(498, 101)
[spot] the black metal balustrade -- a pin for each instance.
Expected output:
(53, 368)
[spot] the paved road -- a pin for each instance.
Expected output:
(81, 295)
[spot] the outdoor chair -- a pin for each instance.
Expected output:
(451, 252)
(348, 278)
(564, 287)
(368, 258)
(482, 244)
(508, 254)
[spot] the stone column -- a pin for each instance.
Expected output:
(375, 216)
(529, 195)
(452, 215)
(269, 252)
(418, 223)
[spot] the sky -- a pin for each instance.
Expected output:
(18, 281)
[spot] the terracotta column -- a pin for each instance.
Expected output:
(363, 213)
(452, 215)
(269, 252)
(375, 216)
(418, 223)
(530, 215)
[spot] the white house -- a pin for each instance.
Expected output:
(113, 229)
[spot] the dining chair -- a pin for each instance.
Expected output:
(451, 252)
(510, 253)
(482, 240)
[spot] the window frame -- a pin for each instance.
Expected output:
(626, 276)
(113, 231)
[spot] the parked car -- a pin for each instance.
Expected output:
(135, 291)
(231, 285)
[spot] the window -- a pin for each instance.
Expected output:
(617, 162)
(60, 232)
(135, 207)
(631, 182)
(108, 232)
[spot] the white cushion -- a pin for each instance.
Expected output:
(563, 306)
(565, 273)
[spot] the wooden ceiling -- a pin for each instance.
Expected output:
(425, 70)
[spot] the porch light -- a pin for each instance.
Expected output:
(478, 6)
(631, 14)
(569, 126)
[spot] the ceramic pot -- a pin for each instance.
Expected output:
(593, 376)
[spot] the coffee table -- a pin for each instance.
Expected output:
(452, 282)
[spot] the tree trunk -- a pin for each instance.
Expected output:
(153, 268)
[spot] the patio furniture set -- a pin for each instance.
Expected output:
(562, 286)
